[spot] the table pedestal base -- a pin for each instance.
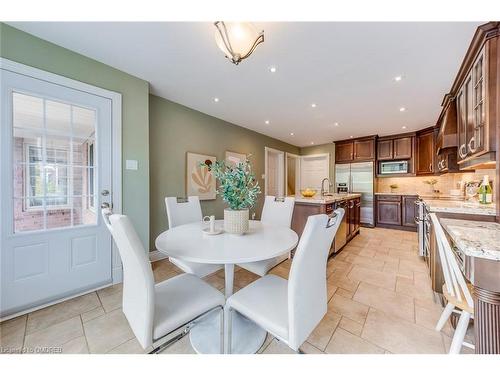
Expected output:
(247, 337)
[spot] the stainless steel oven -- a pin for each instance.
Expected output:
(394, 167)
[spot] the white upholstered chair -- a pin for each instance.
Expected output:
(456, 290)
(278, 212)
(157, 311)
(184, 211)
(290, 310)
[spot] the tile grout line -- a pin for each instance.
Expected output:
(25, 330)
(85, 334)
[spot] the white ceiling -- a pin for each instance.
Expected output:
(347, 69)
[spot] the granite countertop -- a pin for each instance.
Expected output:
(460, 207)
(478, 239)
(395, 193)
(318, 199)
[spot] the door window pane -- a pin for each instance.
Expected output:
(53, 164)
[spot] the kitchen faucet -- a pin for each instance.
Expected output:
(323, 191)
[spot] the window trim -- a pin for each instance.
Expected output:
(27, 187)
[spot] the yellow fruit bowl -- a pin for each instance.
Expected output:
(308, 193)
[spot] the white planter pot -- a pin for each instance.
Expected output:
(236, 221)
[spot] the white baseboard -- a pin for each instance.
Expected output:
(156, 255)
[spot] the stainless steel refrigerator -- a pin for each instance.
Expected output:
(359, 179)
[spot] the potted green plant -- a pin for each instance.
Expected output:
(239, 188)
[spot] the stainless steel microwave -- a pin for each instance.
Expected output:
(394, 167)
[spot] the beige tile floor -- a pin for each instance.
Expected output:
(379, 294)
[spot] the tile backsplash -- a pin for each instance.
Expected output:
(446, 182)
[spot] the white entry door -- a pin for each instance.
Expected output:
(56, 171)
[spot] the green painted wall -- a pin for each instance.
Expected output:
(27, 49)
(175, 129)
(322, 149)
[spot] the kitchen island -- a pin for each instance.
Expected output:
(350, 226)
(477, 246)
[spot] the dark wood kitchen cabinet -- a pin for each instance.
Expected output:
(384, 149)
(353, 213)
(364, 149)
(403, 148)
(408, 213)
(396, 211)
(389, 210)
(475, 111)
(426, 151)
(344, 152)
(354, 150)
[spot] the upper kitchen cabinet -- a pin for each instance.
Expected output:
(344, 152)
(475, 94)
(403, 148)
(426, 151)
(354, 150)
(396, 147)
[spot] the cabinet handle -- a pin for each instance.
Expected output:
(462, 151)
(430, 167)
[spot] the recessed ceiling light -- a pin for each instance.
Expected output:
(398, 78)
(291, 134)
(402, 109)
(351, 136)
(335, 124)
(216, 100)
(272, 69)
(266, 122)
(312, 143)
(403, 127)
(313, 105)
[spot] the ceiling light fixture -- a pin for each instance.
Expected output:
(402, 109)
(398, 78)
(272, 69)
(313, 105)
(237, 39)
(292, 134)
(312, 143)
(335, 124)
(403, 127)
(351, 136)
(216, 100)
(266, 122)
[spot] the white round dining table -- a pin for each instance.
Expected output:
(262, 241)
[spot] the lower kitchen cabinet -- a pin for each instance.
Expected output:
(408, 214)
(396, 211)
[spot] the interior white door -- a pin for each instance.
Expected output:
(274, 172)
(56, 171)
(313, 169)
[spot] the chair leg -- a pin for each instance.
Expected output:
(228, 315)
(458, 337)
(444, 316)
(167, 343)
(221, 330)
